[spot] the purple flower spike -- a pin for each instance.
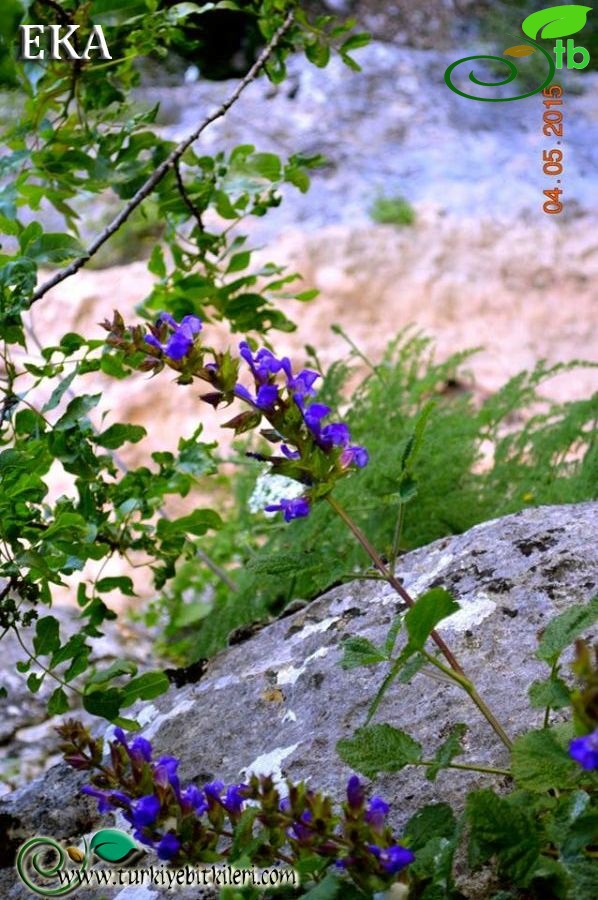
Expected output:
(193, 798)
(214, 789)
(584, 750)
(392, 859)
(234, 799)
(336, 435)
(168, 847)
(301, 385)
(376, 813)
(141, 749)
(355, 455)
(292, 509)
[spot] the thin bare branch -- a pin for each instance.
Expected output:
(156, 177)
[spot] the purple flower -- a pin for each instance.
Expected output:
(106, 799)
(234, 799)
(313, 415)
(376, 813)
(165, 769)
(168, 847)
(301, 385)
(213, 789)
(264, 363)
(392, 859)
(144, 812)
(335, 435)
(292, 509)
(290, 454)
(182, 338)
(299, 830)
(194, 798)
(584, 750)
(355, 792)
(140, 749)
(357, 455)
(267, 395)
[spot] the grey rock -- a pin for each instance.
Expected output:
(280, 702)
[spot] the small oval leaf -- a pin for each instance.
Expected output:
(556, 22)
(112, 845)
(519, 50)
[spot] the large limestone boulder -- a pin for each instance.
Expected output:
(279, 702)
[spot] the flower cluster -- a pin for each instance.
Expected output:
(192, 824)
(584, 750)
(314, 451)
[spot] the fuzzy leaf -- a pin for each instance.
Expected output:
(379, 748)
(564, 629)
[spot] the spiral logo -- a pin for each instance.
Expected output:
(513, 72)
(43, 858)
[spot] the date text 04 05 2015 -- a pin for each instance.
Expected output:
(553, 159)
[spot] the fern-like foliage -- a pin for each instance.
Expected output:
(473, 461)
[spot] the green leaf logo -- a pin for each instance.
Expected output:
(556, 22)
(112, 845)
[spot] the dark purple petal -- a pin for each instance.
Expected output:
(193, 797)
(392, 859)
(301, 385)
(376, 813)
(584, 750)
(168, 847)
(267, 396)
(314, 413)
(178, 345)
(234, 799)
(166, 317)
(141, 748)
(214, 789)
(145, 811)
(191, 324)
(337, 435)
(290, 454)
(355, 792)
(120, 736)
(243, 394)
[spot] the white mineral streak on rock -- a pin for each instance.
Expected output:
(290, 674)
(472, 612)
(179, 710)
(270, 764)
(313, 628)
(289, 716)
(136, 893)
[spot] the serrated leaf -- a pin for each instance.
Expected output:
(359, 651)
(393, 632)
(428, 611)
(556, 21)
(112, 845)
(379, 748)
(498, 828)
(434, 820)
(540, 763)
(565, 628)
(519, 50)
(447, 751)
(553, 692)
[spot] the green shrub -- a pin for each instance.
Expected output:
(392, 211)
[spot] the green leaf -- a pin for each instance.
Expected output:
(565, 628)
(379, 748)
(156, 264)
(393, 632)
(239, 261)
(105, 703)
(358, 651)
(118, 667)
(117, 435)
(34, 682)
(329, 888)
(77, 410)
(197, 522)
(46, 638)
(553, 692)
(144, 687)
(499, 828)
(120, 583)
(318, 53)
(447, 751)
(53, 248)
(59, 391)
(58, 702)
(434, 820)
(540, 763)
(112, 845)
(356, 41)
(429, 610)
(556, 21)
